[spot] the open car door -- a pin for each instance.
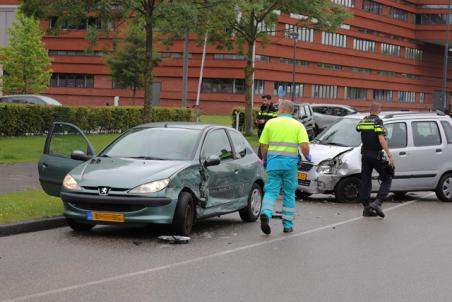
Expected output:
(65, 148)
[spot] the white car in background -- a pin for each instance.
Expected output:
(29, 99)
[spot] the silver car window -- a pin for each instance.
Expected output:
(426, 134)
(448, 130)
(396, 134)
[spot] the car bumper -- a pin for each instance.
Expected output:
(315, 182)
(135, 210)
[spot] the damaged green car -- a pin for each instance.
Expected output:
(161, 173)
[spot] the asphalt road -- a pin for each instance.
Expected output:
(18, 177)
(333, 255)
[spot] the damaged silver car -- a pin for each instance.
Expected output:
(421, 144)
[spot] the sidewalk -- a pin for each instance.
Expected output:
(18, 177)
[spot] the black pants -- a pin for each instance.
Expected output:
(369, 163)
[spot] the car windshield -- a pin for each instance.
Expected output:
(155, 144)
(342, 133)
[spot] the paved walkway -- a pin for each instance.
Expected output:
(18, 177)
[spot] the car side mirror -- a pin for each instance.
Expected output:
(212, 160)
(80, 155)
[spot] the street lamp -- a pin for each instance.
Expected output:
(294, 36)
(446, 61)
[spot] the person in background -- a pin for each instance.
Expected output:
(373, 136)
(280, 142)
(266, 112)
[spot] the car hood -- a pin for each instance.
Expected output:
(322, 152)
(124, 172)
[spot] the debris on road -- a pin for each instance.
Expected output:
(174, 239)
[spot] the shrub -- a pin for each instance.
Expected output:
(18, 119)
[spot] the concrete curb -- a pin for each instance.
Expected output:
(32, 226)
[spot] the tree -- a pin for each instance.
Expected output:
(239, 23)
(25, 60)
(152, 13)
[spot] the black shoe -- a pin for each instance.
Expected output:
(288, 230)
(368, 212)
(376, 206)
(265, 227)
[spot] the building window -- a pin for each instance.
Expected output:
(75, 53)
(174, 55)
(259, 87)
(386, 73)
(346, 3)
(409, 76)
(363, 45)
(407, 97)
(353, 93)
(383, 95)
(334, 39)
(360, 70)
(390, 50)
(432, 19)
(422, 97)
(412, 53)
(302, 33)
(269, 30)
(220, 56)
(373, 7)
(329, 66)
(72, 80)
(290, 62)
(83, 24)
(398, 14)
(236, 86)
(262, 58)
(324, 91)
(287, 86)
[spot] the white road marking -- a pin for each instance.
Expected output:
(198, 259)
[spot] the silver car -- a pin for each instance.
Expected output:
(421, 144)
(327, 114)
(29, 99)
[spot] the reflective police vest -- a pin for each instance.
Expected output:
(283, 135)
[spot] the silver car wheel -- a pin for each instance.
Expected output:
(256, 201)
(447, 187)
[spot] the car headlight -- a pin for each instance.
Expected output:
(70, 183)
(325, 167)
(151, 187)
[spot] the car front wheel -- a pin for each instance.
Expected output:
(444, 189)
(184, 216)
(253, 208)
(78, 226)
(347, 190)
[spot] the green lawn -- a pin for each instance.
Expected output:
(22, 206)
(25, 149)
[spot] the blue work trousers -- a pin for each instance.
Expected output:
(289, 181)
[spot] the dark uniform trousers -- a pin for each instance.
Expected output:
(371, 160)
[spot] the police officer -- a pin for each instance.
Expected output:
(373, 138)
(280, 142)
(266, 112)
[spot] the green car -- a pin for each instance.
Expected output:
(162, 173)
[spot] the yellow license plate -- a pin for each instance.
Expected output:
(105, 216)
(302, 176)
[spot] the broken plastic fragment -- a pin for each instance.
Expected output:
(174, 239)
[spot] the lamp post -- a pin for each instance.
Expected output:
(446, 61)
(294, 36)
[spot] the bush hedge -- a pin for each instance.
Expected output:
(18, 119)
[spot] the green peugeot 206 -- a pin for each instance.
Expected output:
(160, 173)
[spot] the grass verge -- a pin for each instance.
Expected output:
(23, 206)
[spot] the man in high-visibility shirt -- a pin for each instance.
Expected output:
(280, 142)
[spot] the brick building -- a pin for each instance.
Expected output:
(391, 50)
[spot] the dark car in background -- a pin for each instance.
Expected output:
(29, 99)
(327, 114)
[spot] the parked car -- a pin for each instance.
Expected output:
(29, 99)
(304, 113)
(163, 173)
(327, 114)
(421, 144)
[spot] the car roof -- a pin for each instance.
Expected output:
(44, 98)
(182, 125)
(333, 105)
(404, 115)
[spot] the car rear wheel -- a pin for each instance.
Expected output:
(347, 190)
(400, 195)
(300, 195)
(444, 189)
(253, 208)
(184, 215)
(78, 226)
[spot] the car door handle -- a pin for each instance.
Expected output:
(402, 153)
(236, 171)
(44, 166)
(439, 150)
